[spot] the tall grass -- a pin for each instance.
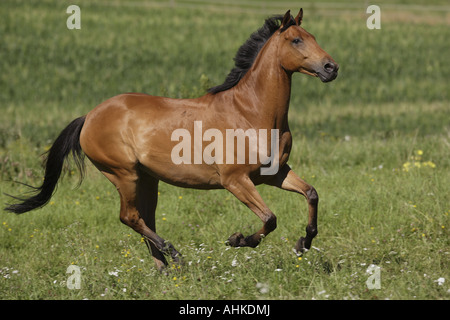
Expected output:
(353, 139)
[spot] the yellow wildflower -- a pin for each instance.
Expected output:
(429, 164)
(406, 166)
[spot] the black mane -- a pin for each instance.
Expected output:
(247, 53)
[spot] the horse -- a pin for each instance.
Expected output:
(130, 138)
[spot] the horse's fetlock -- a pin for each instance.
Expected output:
(311, 231)
(271, 223)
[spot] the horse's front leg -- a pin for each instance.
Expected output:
(286, 179)
(243, 188)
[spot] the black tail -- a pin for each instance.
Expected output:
(68, 141)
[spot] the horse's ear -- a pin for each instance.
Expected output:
(299, 17)
(286, 19)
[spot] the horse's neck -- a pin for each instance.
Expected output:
(266, 88)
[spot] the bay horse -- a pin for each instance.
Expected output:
(129, 138)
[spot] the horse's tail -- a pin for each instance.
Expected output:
(67, 142)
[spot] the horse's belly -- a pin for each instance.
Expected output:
(199, 176)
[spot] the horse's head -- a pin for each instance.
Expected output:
(299, 51)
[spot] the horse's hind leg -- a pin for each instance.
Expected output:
(147, 200)
(131, 186)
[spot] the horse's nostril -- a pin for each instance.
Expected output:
(330, 67)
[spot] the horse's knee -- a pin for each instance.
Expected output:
(127, 220)
(130, 220)
(312, 196)
(124, 219)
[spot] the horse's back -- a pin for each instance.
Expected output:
(136, 129)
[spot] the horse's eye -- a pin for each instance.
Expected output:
(296, 40)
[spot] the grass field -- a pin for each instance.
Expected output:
(375, 143)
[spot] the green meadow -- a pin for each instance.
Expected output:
(375, 143)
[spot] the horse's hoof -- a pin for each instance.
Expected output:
(300, 246)
(178, 258)
(236, 239)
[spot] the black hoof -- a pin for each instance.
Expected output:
(177, 258)
(236, 240)
(302, 245)
(169, 250)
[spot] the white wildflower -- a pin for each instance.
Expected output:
(263, 287)
(440, 281)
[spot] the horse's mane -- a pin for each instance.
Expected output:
(247, 53)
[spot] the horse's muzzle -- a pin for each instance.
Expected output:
(329, 71)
